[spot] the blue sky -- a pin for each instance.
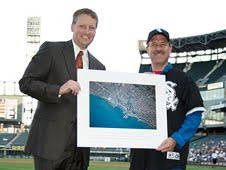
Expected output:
(121, 24)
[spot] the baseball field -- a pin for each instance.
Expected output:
(27, 164)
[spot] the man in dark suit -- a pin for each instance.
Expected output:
(51, 78)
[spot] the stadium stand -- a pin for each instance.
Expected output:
(6, 138)
(200, 69)
(20, 141)
(200, 150)
(219, 75)
(113, 154)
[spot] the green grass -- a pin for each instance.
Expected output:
(204, 168)
(16, 164)
(10, 166)
(27, 164)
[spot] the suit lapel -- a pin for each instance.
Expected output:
(70, 59)
(91, 61)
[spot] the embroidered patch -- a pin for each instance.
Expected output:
(171, 99)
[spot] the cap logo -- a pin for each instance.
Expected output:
(159, 30)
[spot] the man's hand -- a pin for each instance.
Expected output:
(167, 145)
(70, 86)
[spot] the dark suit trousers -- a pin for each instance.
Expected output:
(71, 159)
(63, 163)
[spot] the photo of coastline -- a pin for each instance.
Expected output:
(121, 105)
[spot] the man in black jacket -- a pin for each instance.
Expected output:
(51, 78)
(184, 108)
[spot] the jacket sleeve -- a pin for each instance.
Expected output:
(34, 81)
(188, 128)
(193, 105)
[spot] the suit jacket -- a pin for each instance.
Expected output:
(54, 119)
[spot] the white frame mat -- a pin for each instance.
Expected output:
(120, 137)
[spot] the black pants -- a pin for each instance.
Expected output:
(71, 159)
(68, 161)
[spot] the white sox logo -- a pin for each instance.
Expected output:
(171, 99)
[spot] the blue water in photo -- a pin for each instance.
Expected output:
(104, 115)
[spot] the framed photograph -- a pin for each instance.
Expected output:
(125, 110)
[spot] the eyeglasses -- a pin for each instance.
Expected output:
(161, 45)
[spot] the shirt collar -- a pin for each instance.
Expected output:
(165, 70)
(77, 49)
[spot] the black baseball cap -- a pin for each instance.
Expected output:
(158, 31)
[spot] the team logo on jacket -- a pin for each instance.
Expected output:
(171, 98)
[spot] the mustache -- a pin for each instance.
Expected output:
(160, 52)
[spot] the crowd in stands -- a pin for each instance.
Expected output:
(202, 150)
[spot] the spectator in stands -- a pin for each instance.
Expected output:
(184, 108)
(51, 78)
(214, 159)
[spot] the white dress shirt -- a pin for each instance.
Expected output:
(85, 58)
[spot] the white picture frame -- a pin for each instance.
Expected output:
(89, 135)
